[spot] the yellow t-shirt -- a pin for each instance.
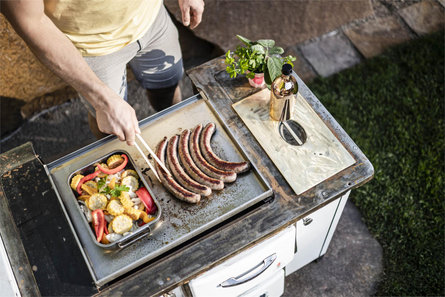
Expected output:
(100, 27)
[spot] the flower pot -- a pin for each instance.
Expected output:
(257, 81)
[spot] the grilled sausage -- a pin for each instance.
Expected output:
(168, 182)
(190, 166)
(213, 159)
(225, 176)
(178, 172)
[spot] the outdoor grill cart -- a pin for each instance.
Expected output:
(274, 219)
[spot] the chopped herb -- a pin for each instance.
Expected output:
(118, 189)
(101, 183)
(116, 192)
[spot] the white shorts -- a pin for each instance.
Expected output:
(155, 59)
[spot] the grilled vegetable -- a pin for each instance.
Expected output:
(133, 213)
(85, 179)
(101, 174)
(146, 218)
(91, 184)
(114, 161)
(129, 172)
(83, 197)
(113, 164)
(97, 201)
(99, 223)
(125, 200)
(146, 198)
(112, 183)
(121, 224)
(115, 207)
(131, 182)
(75, 181)
(88, 189)
(107, 198)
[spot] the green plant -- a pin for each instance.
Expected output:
(261, 56)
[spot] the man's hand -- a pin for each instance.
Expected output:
(117, 118)
(191, 12)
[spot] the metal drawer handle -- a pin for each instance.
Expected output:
(234, 281)
(307, 221)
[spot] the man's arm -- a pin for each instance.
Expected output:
(55, 51)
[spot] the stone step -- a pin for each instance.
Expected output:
(424, 17)
(371, 38)
(330, 53)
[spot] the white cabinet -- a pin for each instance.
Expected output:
(253, 272)
(8, 284)
(314, 233)
(258, 271)
(273, 287)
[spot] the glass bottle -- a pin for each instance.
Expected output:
(283, 90)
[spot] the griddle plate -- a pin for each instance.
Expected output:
(180, 221)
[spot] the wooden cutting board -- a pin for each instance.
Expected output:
(303, 167)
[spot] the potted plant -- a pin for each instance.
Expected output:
(260, 60)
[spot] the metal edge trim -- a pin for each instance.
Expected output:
(93, 275)
(170, 109)
(109, 138)
(17, 252)
(30, 155)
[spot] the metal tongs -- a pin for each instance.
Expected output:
(285, 116)
(151, 153)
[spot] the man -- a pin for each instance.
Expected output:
(89, 42)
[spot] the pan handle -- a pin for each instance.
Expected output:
(131, 240)
(245, 277)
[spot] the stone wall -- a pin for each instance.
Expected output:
(285, 21)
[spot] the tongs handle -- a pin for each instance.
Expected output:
(153, 154)
(147, 161)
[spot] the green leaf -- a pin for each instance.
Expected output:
(250, 75)
(266, 42)
(116, 192)
(276, 50)
(100, 184)
(259, 48)
(274, 65)
(106, 190)
(244, 40)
